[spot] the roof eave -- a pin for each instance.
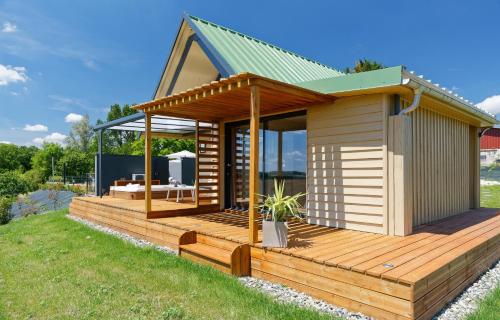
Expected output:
(412, 81)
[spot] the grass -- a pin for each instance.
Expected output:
(489, 308)
(54, 268)
(490, 196)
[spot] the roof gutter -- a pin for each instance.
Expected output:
(432, 90)
(416, 102)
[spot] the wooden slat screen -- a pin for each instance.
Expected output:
(208, 155)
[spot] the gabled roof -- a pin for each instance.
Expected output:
(232, 53)
(241, 53)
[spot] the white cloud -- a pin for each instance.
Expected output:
(73, 117)
(54, 137)
(91, 64)
(491, 104)
(9, 74)
(35, 128)
(5, 142)
(9, 27)
(62, 103)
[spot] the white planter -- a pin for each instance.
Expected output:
(274, 234)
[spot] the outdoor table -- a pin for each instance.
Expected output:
(180, 189)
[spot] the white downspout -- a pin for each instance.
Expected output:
(416, 101)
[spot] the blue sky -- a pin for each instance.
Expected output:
(78, 57)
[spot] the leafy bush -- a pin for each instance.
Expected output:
(5, 205)
(12, 184)
(33, 179)
(58, 186)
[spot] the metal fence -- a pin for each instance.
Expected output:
(87, 181)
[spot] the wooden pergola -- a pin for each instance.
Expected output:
(239, 97)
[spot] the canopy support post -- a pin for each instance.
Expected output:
(147, 163)
(254, 164)
(98, 180)
(197, 165)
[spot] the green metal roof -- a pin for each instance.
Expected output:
(242, 53)
(356, 81)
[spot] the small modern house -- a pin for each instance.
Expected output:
(389, 162)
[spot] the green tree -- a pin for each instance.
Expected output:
(80, 135)
(363, 65)
(163, 146)
(14, 157)
(76, 162)
(115, 138)
(12, 184)
(116, 141)
(42, 160)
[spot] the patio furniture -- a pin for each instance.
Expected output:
(141, 182)
(180, 189)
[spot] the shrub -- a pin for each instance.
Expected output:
(33, 179)
(12, 184)
(57, 186)
(5, 205)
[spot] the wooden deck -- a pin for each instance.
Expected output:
(385, 277)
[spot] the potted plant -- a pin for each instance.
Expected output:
(277, 209)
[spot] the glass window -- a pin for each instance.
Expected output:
(282, 156)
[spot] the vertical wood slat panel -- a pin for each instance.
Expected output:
(401, 168)
(442, 171)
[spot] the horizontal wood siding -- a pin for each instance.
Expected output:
(441, 150)
(345, 175)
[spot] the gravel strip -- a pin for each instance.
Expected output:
(468, 301)
(135, 241)
(458, 309)
(284, 294)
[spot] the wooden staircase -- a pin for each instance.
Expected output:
(223, 255)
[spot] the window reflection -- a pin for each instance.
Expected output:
(282, 156)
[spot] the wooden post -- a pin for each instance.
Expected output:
(254, 164)
(147, 163)
(197, 165)
(400, 176)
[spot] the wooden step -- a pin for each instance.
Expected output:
(235, 261)
(213, 253)
(226, 256)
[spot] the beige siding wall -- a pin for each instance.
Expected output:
(443, 158)
(345, 182)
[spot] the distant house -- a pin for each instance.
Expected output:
(490, 147)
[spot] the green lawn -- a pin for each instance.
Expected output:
(489, 309)
(490, 196)
(54, 268)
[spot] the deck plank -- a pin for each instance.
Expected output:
(341, 266)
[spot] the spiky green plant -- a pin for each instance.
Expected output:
(279, 207)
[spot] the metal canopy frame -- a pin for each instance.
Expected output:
(161, 126)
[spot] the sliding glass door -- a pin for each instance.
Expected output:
(282, 156)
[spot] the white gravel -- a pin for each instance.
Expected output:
(466, 303)
(135, 241)
(287, 295)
